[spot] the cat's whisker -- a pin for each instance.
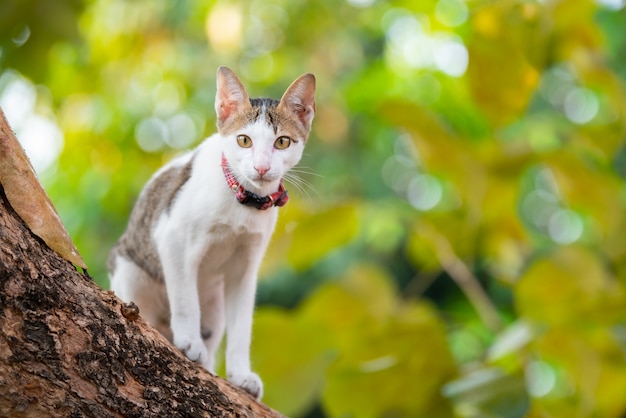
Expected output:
(302, 185)
(306, 170)
(297, 182)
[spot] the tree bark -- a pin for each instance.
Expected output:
(71, 349)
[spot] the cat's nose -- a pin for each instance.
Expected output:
(262, 170)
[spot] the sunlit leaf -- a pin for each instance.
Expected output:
(382, 343)
(512, 340)
(291, 353)
(318, 234)
(29, 199)
(595, 372)
(569, 286)
(503, 79)
(489, 393)
(576, 179)
(397, 365)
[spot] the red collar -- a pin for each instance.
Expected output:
(248, 198)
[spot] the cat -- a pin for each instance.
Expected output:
(190, 255)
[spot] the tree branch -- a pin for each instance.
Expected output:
(70, 348)
(465, 279)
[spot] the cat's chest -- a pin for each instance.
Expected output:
(226, 247)
(218, 218)
(233, 221)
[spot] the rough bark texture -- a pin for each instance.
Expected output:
(71, 349)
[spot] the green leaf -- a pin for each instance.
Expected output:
(382, 349)
(320, 233)
(511, 68)
(489, 393)
(394, 370)
(569, 287)
(291, 354)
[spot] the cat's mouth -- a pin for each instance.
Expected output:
(263, 180)
(266, 179)
(263, 183)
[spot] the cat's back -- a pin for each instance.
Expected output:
(159, 194)
(157, 197)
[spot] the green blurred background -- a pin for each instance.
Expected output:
(455, 247)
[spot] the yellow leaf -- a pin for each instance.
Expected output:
(569, 287)
(354, 341)
(395, 370)
(593, 361)
(291, 354)
(503, 79)
(590, 190)
(29, 199)
(317, 235)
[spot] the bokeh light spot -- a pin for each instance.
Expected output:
(565, 226)
(224, 27)
(40, 136)
(182, 131)
(451, 12)
(581, 105)
(424, 192)
(540, 378)
(151, 134)
(451, 57)
(361, 3)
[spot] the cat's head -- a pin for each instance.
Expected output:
(264, 138)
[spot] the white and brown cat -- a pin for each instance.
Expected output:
(190, 255)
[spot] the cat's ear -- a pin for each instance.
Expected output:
(231, 97)
(299, 99)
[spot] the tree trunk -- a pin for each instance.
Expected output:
(71, 349)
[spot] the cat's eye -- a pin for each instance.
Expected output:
(244, 141)
(282, 142)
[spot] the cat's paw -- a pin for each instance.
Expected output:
(194, 349)
(250, 382)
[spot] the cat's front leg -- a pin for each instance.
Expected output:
(213, 315)
(240, 292)
(180, 269)
(187, 337)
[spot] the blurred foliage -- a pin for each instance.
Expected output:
(456, 245)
